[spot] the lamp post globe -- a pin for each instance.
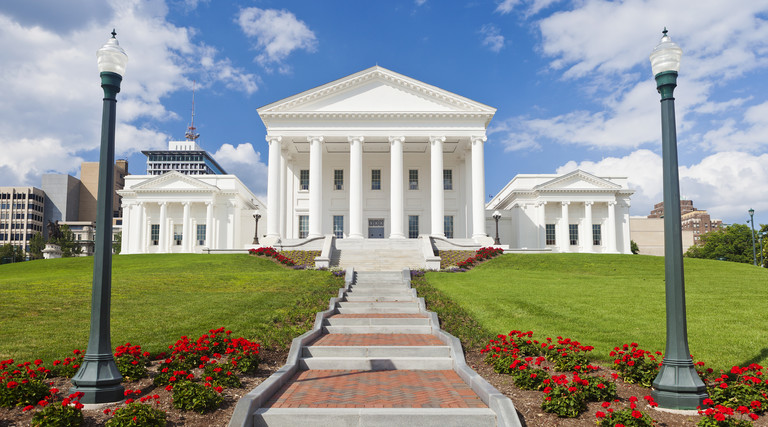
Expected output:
(752, 220)
(98, 377)
(677, 385)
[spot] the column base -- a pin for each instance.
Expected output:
(678, 386)
(397, 236)
(355, 236)
(483, 239)
(441, 235)
(99, 380)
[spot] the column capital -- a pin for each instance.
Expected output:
(186, 203)
(162, 203)
(400, 139)
(311, 139)
(272, 138)
(565, 203)
(352, 139)
(433, 139)
(541, 203)
(612, 203)
(478, 139)
(589, 203)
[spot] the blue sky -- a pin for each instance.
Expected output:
(571, 81)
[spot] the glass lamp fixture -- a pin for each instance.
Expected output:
(111, 57)
(666, 56)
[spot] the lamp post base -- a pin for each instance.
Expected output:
(678, 386)
(99, 380)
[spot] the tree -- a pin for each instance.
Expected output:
(36, 246)
(69, 247)
(11, 253)
(732, 243)
(117, 243)
(633, 247)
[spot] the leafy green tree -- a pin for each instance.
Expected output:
(733, 243)
(69, 247)
(36, 246)
(11, 253)
(633, 247)
(117, 243)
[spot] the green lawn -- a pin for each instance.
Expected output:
(608, 300)
(45, 304)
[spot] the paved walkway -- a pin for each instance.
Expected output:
(379, 359)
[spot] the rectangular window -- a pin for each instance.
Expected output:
(303, 226)
(154, 234)
(413, 226)
(550, 234)
(447, 179)
(201, 234)
(338, 179)
(304, 179)
(177, 234)
(573, 233)
(338, 226)
(448, 226)
(413, 179)
(376, 179)
(597, 238)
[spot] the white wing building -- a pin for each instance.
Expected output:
(376, 155)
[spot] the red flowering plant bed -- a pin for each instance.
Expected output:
(270, 252)
(460, 261)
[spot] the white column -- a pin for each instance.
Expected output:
(185, 230)
(468, 193)
(542, 223)
(589, 238)
(127, 229)
(315, 186)
(437, 198)
(209, 225)
(273, 188)
(283, 192)
(611, 248)
(565, 237)
(627, 246)
(396, 187)
(478, 187)
(355, 187)
(144, 229)
(520, 230)
(163, 228)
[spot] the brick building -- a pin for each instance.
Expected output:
(697, 221)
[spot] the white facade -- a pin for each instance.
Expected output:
(176, 213)
(376, 155)
(575, 212)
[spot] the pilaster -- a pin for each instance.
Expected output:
(355, 187)
(273, 188)
(437, 197)
(315, 186)
(396, 188)
(478, 187)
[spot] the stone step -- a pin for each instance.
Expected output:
(378, 329)
(377, 321)
(377, 364)
(376, 351)
(381, 298)
(377, 307)
(370, 417)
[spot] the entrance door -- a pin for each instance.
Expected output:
(375, 228)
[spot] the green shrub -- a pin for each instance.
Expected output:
(625, 417)
(566, 402)
(131, 362)
(221, 375)
(598, 389)
(137, 414)
(190, 396)
(14, 391)
(55, 415)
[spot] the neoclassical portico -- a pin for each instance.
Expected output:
(376, 154)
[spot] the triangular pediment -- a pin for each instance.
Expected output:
(577, 180)
(375, 90)
(174, 181)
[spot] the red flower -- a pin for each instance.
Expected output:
(754, 417)
(637, 414)
(600, 414)
(169, 387)
(128, 401)
(709, 402)
(723, 385)
(28, 408)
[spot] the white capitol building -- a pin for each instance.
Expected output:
(376, 155)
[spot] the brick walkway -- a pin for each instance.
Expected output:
(377, 340)
(375, 389)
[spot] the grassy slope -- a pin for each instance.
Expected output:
(607, 300)
(45, 304)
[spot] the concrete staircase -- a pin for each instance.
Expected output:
(375, 358)
(380, 254)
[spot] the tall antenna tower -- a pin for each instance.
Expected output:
(191, 135)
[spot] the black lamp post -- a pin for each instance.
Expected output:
(497, 216)
(256, 216)
(98, 377)
(752, 220)
(677, 386)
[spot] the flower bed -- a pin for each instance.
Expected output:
(460, 261)
(270, 252)
(305, 259)
(736, 398)
(194, 372)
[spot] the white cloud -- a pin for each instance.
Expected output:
(278, 33)
(506, 6)
(726, 184)
(246, 163)
(492, 37)
(420, 2)
(54, 112)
